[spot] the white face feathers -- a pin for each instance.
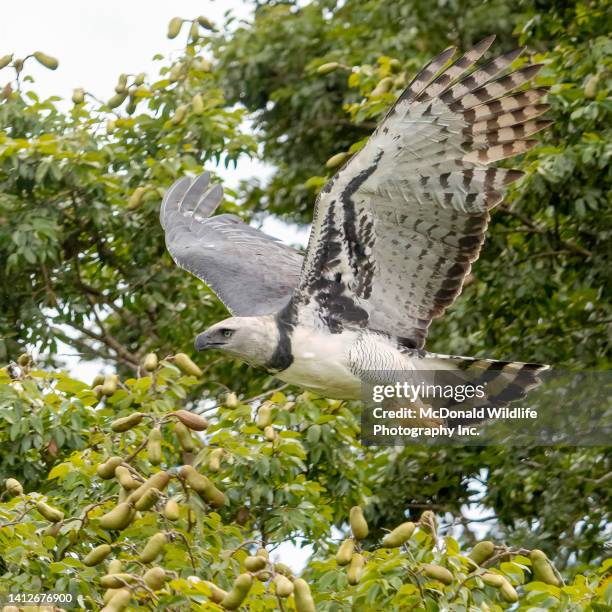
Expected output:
(251, 339)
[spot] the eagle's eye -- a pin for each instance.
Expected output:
(227, 333)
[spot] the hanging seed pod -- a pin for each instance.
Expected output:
(121, 86)
(49, 512)
(205, 23)
(303, 597)
(125, 423)
(174, 27)
(119, 601)
(114, 567)
(139, 79)
(13, 487)
(78, 96)
(327, 68)
(203, 486)
(336, 160)
(154, 446)
(254, 564)
(399, 536)
(181, 360)
(110, 385)
(191, 420)
(124, 477)
(118, 518)
(98, 380)
(382, 88)
(270, 433)
(171, 510)
(150, 362)
(262, 552)
(179, 114)
(494, 580)
(264, 415)
(154, 547)
(107, 469)
(97, 555)
(359, 525)
(231, 400)
(214, 461)
(130, 109)
(345, 552)
(135, 200)
(184, 438)
(117, 100)
(590, 88)
(217, 595)
(5, 60)
(482, 552)
(283, 586)
(159, 481)
(508, 592)
(197, 104)
(240, 589)
(46, 60)
(285, 570)
(116, 581)
(542, 569)
(355, 569)
(155, 578)
(428, 522)
(194, 31)
(437, 572)
(148, 500)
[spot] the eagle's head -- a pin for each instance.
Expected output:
(251, 339)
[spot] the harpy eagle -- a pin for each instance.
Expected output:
(394, 234)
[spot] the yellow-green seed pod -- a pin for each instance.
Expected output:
(171, 510)
(264, 415)
(382, 88)
(53, 530)
(179, 114)
(78, 95)
(124, 477)
(205, 23)
(214, 461)
(24, 359)
(197, 103)
(270, 433)
(125, 423)
(437, 572)
(542, 568)
(176, 72)
(194, 31)
(302, 596)
(13, 487)
(493, 580)
(108, 595)
(283, 586)
(121, 86)
(159, 480)
(118, 518)
(5, 60)
(46, 60)
(98, 380)
(482, 551)
(114, 567)
(508, 592)
(97, 391)
(139, 79)
(254, 563)
(355, 569)
(130, 109)
(154, 547)
(97, 555)
(336, 160)
(345, 552)
(202, 485)
(231, 400)
(107, 469)
(395, 65)
(590, 88)
(49, 512)
(155, 578)
(191, 420)
(399, 536)
(240, 589)
(285, 570)
(154, 446)
(174, 27)
(119, 601)
(184, 438)
(262, 552)
(116, 581)
(217, 595)
(359, 525)
(181, 360)
(148, 500)
(117, 100)
(428, 522)
(328, 67)
(110, 385)
(150, 362)
(136, 198)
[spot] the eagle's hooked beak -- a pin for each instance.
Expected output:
(203, 342)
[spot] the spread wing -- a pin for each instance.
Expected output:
(251, 273)
(396, 229)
